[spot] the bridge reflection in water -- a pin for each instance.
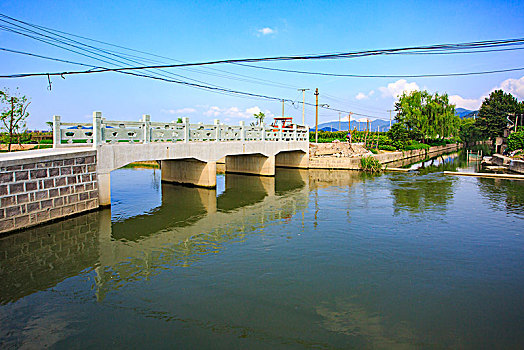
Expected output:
(189, 223)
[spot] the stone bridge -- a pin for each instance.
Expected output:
(187, 153)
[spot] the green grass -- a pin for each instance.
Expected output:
(370, 164)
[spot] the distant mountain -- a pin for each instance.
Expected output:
(465, 113)
(373, 125)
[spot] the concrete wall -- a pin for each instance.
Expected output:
(383, 158)
(255, 164)
(40, 186)
(189, 171)
(517, 166)
(292, 159)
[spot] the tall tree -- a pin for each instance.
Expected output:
(427, 115)
(259, 117)
(492, 118)
(13, 115)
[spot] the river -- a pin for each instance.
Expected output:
(308, 259)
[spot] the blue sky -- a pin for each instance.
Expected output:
(194, 31)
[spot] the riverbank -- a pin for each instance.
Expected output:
(321, 159)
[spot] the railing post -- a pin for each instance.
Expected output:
(97, 129)
(242, 131)
(263, 131)
(217, 129)
(146, 118)
(57, 136)
(187, 135)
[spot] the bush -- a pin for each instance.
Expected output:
(516, 140)
(416, 145)
(387, 147)
(46, 142)
(369, 163)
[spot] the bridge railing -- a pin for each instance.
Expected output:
(103, 131)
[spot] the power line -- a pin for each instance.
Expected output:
(226, 74)
(383, 75)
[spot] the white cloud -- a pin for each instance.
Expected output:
(213, 111)
(361, 96)
(397, 88)
(266, 31)
(235, 112)
(186, 110)
(514, 87)
(467, 103)
(253, 110)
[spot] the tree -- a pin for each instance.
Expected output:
(13, 115)
(493, 113)
(469, 130)
(427, 116)
(259, 117)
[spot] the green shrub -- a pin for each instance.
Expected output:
(373, 150)
(416, 145)
(368, 163)
(387, 147)
(516, 140)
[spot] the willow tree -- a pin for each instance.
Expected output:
(427, 115)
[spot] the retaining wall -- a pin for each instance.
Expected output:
(383, 158)
(44, 185)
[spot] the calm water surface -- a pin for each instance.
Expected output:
(309, 259)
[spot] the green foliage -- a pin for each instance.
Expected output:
(399, 132)
(387, 147)
(368, 163)
(425, 116)
(259, 117)
(470, 131)
(372, 150)
(516, 140)
(492, 120)
(179, 120)
(416, 145)
(13, 113)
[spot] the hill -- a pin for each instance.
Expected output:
(465, 113)
(373, 125)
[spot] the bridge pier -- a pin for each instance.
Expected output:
(104, 189)
(189, 171)
(255, 164)
(292, 159)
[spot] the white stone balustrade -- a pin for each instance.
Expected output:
(146, 131)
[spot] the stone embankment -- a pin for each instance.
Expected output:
(341, 155)
(39, 187)
(514, 165)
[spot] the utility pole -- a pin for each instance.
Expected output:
(390, 110)
(338, 121)
(316, 115)
(282, 107)
(303, 104)
(11, 124)
(349, 121)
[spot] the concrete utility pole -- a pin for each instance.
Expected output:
(349, 121)
(282, 107)
(338, 121)
(390, 110)
(303, 104)
(316, 115)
